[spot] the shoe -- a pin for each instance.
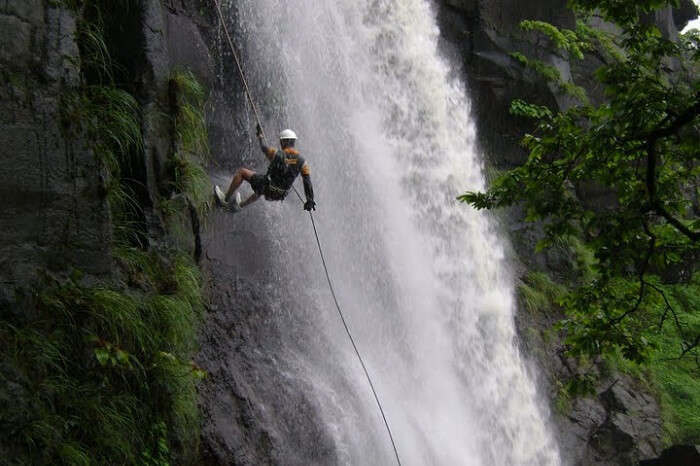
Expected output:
(220, 196)
(235, 206)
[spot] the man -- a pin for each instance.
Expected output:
(285, 165)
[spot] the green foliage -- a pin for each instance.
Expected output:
(602, 43)
(159, 454)
(680, 401)
(551, 74)
(188, 163)
(634, 298)
(640, 146)
(625, 13)
(99, 371)
(91, 360)
(584, 260)
(491, 172)
(572, 43)
(106, 117)
(678, 379)
(563, 39)
(538, 293)
(563, 400)
(524, 109)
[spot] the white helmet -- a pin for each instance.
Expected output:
(288, 134)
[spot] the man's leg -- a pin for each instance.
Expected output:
(253, 197)
(240, 175)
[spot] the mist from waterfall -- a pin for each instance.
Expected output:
(384, 122)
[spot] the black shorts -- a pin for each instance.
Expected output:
(259, 184)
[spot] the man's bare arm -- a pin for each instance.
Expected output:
(268, 151)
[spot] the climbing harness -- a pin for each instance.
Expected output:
(318, 241)
(274, 193)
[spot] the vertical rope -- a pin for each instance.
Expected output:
(352, 340)
(320, 248)
(238, 64)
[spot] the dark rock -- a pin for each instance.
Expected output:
(612, 440)
(61, 48)
(16, 39)
(254, 409)
(154, 31)
(53, 215)
(484, 34)
(157, 125)
(187, 49)
(29, 11)
(687, 10)
(677, 455)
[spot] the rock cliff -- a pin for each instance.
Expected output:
(53, 215)
(93, 222)
(621, 423)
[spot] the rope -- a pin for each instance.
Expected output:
(240, 68)
(318, 243)
(347, 330)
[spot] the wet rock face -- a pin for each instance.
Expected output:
(678, 455)
(53, 215)
(686, 11)
(483, 34)
(620, 424)
(254, 404)
(632, 428)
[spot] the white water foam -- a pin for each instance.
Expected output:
(384, 123)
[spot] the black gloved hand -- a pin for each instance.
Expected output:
(258, 131)
(310, 205)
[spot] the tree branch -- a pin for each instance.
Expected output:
(651, 178)
(680, 121)
(670, 308)
(686, 345)
(642, 272)
(661, 210)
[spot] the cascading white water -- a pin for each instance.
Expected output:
(384, 123)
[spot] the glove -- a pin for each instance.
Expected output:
(258, 131)
(310, 205)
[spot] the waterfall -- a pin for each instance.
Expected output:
(384, 122)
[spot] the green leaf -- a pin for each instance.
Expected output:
(123, 357)
(102, 355)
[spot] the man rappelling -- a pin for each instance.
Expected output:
(285, 165)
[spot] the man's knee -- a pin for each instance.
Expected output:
(245, 173)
